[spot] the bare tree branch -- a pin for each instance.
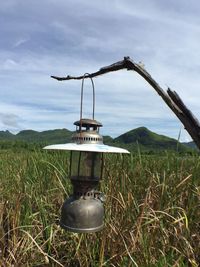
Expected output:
(171, 98)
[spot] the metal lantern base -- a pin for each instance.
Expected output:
(82, 215)
(76, 230)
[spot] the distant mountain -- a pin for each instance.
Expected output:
(140, 137)
(148, 140)
(190, 144)
(50, 137)
(30, 136)
(6, 135)
(108, 139)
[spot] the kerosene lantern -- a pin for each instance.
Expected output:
(83, 211)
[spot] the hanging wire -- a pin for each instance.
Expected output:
(81, 109)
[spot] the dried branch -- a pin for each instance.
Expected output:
(171, 98)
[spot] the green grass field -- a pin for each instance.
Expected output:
(152, 212)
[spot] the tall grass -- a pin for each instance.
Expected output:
(152, 212)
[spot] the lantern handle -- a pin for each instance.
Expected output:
(93, 90)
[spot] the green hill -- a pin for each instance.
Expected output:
(6, 135)
(190, 144)
(49, 137)
(141, 137)
(148, 140)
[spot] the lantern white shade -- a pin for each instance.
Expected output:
(88, 147)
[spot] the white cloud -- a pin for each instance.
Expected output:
(9, 120)
(20, 42)
(46, 38)
(9, 64)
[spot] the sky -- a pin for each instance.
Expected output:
(61, 37)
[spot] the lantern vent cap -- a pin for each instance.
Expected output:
(88, 123)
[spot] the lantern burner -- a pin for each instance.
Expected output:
(87, 132)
